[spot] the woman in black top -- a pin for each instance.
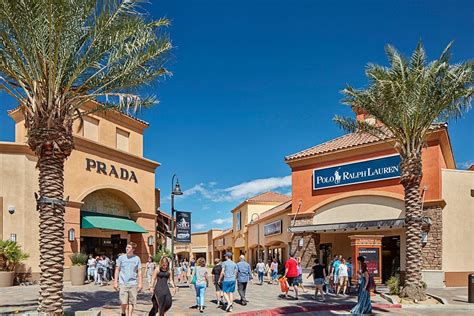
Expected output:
(161, 298)
(216, 274)
(319, 275)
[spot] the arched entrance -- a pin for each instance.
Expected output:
(107, 222)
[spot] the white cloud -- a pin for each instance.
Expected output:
(241, 191)
(199, 225)
(254, 187)
(465, 164)
(222, 221)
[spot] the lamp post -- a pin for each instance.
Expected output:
(175, 190)
(258, 234)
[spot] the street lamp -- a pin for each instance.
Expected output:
(258, 233)
(175, 190)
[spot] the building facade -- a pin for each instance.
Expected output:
(347, 200)
(109, 184)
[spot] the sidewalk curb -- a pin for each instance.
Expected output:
(440, 299)
(309, 308)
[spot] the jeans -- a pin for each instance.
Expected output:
(200, 292)
(260, 277)
(241, 288)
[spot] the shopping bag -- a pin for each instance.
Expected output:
(283, 284)
(193, 281)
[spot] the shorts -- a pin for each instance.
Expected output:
(218, 286)
(300, 279)
(319, 281)
(128, 294)
(228, 286)
(292, 281)
(342, 280)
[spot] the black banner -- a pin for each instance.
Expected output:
(371, 259)
(183, 226)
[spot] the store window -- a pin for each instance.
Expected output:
(90, 129)
(122, 139)
(237, 221)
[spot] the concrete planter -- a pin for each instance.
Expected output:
(78, 274)
(7, 278)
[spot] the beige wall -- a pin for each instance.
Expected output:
(458, 221)
(17, 186)
(284, 237)
(360, 208)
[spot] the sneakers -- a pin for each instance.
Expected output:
(229, 308)
(201, 309)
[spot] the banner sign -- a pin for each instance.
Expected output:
(371, 259)
(273, 228)
(183, 226)
(357, 172)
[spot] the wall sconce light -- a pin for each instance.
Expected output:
(13, 237)
(151, 241)
(424, 238)
(11, 209)
(301, 242)
(71, 235)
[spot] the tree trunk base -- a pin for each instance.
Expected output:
(413, 292)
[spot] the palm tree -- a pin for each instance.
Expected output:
(54, 57)
(406, 99)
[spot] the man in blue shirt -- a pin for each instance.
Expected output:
(128, 279)
(228, 275)
(244, 275)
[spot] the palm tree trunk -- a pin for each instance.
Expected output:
(411, 176)
(51, 185)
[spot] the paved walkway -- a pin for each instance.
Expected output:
(90, 297)
(454, 295)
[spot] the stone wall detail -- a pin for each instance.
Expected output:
(310, 245)
(432, 251)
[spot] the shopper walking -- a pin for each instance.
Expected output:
(202, 282)
(150, 268)
(128, 279)
(244, 275)
(319, 277)
(343, 276)
(228, 277)
(274, 271)
(104, 265)
(160, 290)
(260, 269)
(291, 274)
(216, 273)
(91, 270)
(300, 274)
(334, 276)
(349, 275)
(184, 270)
(364, 306)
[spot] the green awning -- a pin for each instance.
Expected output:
(113, 223)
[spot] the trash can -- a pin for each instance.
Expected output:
(470, 288)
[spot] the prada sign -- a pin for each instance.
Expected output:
(111, 171)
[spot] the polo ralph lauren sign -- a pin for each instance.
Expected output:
(357, 172)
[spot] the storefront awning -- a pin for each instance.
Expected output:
(351, 226)
(112, 223)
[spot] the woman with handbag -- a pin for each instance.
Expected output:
(200, 280)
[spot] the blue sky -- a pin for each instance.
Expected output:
(254, 81)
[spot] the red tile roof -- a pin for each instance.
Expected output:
(269, 197)
(343, 142)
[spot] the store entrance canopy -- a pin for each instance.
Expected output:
(112, 223)
(351, 226)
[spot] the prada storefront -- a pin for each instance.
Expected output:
(110, 186)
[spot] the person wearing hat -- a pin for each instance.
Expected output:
(227, 279)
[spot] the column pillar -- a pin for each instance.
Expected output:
(265, 254)
(369, 246)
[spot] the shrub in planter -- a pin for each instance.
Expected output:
(393, 286)
(78, 268)
(10, 256)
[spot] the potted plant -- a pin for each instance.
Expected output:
(10, 256)
(78, 268)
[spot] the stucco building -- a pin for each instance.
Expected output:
(347, 200)
(109, 184)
